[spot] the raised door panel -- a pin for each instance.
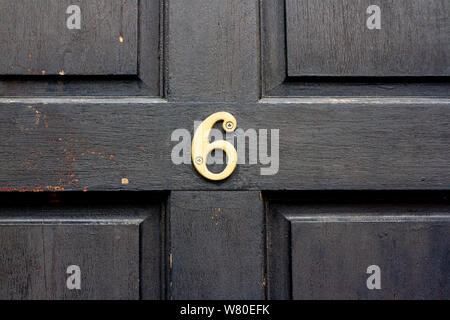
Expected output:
(331, 256)
(359, 245)
(35, 257)
(37, 40)
(115, 241)
(55, 48)
(332, 38)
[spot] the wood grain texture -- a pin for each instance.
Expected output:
(115, 241)
(34, 38)
(35, 258)
(330, 259)
(151, 46)
(84, 86)
(277, 83)
(273, 40)
(213, 50)
(216, 245)
(330, 38)
(320, 249)
(334, 145)
(359, 87)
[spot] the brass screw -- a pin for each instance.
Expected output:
(199, 160)
(229, 125)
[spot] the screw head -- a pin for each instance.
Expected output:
(199, 160)
(229, 125)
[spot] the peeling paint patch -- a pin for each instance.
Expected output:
(40, 117)
(216, 215)
(72, 155)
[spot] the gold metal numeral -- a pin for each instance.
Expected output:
(201, 146)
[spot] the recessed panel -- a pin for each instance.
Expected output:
(357, 245)
(371, 258)
(386, 38)
(51, 37)
(77, 246)
(36, 259)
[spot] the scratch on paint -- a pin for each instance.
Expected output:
(39, 118)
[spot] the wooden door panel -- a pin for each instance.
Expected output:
(331, 254)
(215, 57)
(37, 40)
(115, 240)
(116, 52)
(321, 246)
(330, 38)
(35, 256)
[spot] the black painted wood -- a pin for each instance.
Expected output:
(326, 145)
(216, 245)
(321, 244)
(211, 240)
(273, 44)
(362, 87)
(77, 86)
(215, 57)
(96, 63)
(330, 38)
(151, 48)
(331, 256)
(36, 40)
(277, 83)
(116, 243)
(35, 259)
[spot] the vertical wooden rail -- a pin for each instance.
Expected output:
(216, 245)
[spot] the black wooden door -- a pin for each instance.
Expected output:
(342, 141)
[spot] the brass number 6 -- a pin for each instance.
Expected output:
(201, 146)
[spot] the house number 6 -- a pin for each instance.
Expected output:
(201, 146)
